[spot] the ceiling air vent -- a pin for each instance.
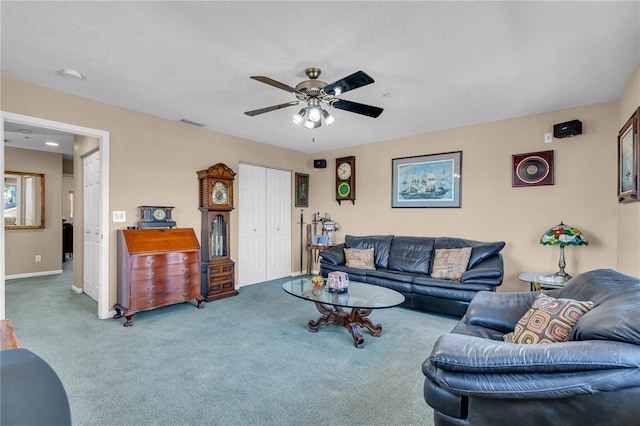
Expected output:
(193, 123)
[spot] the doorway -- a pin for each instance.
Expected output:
(264, 224)
(104, 310)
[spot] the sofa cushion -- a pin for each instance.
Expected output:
(380, 243)
(450, 263)
(334, 255)
(356, 258)
(411, 254)
(549, 320)
(479, 250)
(617, 312)
(392, 275)
(355, 274)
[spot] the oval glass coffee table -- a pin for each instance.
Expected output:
(361, 299)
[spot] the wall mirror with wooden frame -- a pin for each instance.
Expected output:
(23, 200)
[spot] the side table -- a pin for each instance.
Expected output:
(310, 250)
(543, 280)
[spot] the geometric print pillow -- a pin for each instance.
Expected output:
(450, 264)
(549, 320)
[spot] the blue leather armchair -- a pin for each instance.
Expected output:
(473, 377)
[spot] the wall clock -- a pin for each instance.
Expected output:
(346, 179)
(156, 217)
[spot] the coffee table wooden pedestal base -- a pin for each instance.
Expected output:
(332, 315)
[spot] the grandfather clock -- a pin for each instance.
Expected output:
(216, 203)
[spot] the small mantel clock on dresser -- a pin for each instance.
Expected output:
(216, 202)
(346, 179)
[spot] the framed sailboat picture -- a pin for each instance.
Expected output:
(427, 180)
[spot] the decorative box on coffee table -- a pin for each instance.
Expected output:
(156, 267)
(338, 282)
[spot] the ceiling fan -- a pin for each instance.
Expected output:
(314, 92)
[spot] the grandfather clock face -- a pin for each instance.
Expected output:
(220, 193)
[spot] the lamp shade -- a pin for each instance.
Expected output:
(563, 235)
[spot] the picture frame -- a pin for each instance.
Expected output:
(302, 190)
(427, 181)
(532, 169)
(320, 240)
(629, 160)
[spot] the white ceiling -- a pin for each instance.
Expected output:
(437, 65)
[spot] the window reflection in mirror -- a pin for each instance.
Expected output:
(23, 200)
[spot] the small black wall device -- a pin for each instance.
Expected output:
(319, 164)
(568, 129)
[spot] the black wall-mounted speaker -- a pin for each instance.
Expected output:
(319, 164)
(568, 129)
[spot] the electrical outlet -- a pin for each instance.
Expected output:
(38, 258)
(548, 137)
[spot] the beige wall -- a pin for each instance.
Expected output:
(22, 245)
(154, 161)
(583, 194)
(629, 214)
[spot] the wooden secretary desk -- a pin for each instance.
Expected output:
(156, 267)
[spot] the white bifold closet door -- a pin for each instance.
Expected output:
(264, 210)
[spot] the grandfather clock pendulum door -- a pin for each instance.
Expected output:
(216, 203)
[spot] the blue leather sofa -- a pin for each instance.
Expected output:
(405, 263)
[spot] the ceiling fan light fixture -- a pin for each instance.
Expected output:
(328, 118)
(311, 124)
(314, 113)
(298, 117)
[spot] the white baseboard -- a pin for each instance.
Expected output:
(33, 274)
(77, 289)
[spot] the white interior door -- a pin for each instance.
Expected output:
(92, 234)
(251, 265)
(279, 224)
(264, 204)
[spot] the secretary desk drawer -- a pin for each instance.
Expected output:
(159, 273)
(163, 298)
(159, 260)
(142, 288)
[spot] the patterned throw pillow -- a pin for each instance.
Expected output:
(362, 259)
(549, 320)
(450, 264)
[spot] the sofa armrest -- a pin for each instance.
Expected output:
(469, 354)
(499, 311)
(489, 271)
(334, 255)
(528, 386)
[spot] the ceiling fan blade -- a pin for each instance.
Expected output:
(355, 80)
(363, 109)
(272, 82)
(271, 108)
